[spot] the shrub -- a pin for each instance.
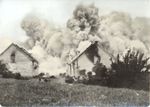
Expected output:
(69, 79)
(126, 69)
(52, 77)
(3, 67)
(100, 71)
(101, 74)
(17, 76)
(7, 74)
(39, 75)
(62, 74)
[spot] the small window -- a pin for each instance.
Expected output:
(13, 55)
(35, 65)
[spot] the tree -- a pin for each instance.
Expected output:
(127, 69)
(133, 62)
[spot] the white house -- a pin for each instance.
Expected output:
(87, 58)
(19, 60)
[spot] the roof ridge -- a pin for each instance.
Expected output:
(78, 55)
(22, 49)
(25, 51)
(87, 48)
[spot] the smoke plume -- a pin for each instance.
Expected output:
(123, 32)
(115, 31)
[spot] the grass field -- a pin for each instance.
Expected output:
(34, 93)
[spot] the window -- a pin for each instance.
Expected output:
(35, 65)
(13, 55)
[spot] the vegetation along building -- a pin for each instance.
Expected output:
(86, 59)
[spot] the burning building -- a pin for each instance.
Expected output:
(116, 32)
(86, 59)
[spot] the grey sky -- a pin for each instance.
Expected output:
(58, 11)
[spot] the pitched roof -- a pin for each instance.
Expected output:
(82, 52)
(21, 50)
(88, 46)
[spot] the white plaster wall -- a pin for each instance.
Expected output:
(23, 64)
(85, 63)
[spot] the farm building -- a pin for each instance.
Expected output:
(85, 60)
(19, 60)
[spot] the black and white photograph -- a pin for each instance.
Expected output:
(74, 53)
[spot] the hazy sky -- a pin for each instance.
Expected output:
(58, 11)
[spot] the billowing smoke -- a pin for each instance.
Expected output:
(141, 30)
(35, 28)
(123, 32)
(85, 18)
(48, 43)
(51, 65)
(116, 32)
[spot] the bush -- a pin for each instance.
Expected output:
(69, 79)
(39, 75)
(101, 74)
(100, 71)
(52, 77)
(17, 76)
(62, 74)
(125, 70)
(3, 67)
(7, 74)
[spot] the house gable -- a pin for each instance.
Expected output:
(100, 53)
(84, 63)
(13, 48)
(19, 60)
(87, 58)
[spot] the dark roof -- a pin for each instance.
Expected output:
(21, 50)
(99, 45)
(76, 57)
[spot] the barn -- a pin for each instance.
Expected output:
(19, 60)
(85, 60)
